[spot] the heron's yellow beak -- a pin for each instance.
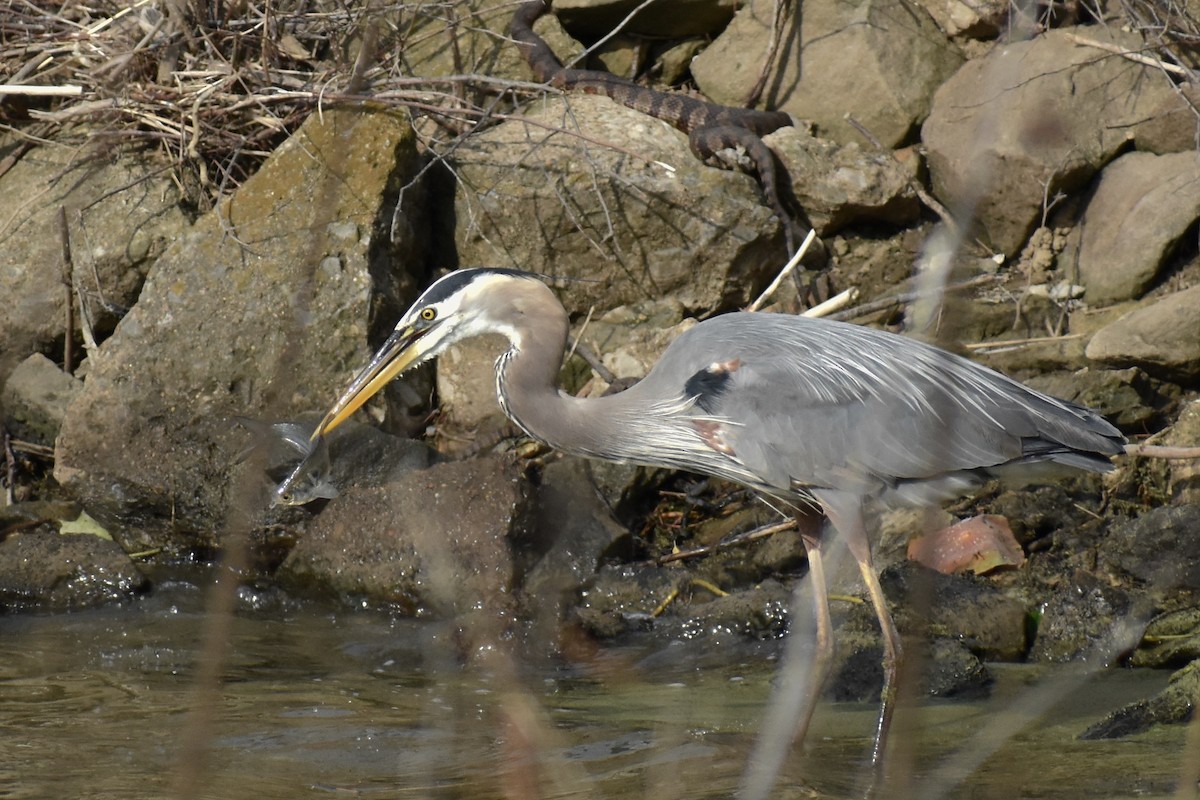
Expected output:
(397, 354)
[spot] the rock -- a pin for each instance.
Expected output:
(1031, 115)
(1172, 124)
(435, 542)
(629, 339)
(977, 19)
(960, 607)
(261, 311)
(664, 17)
(1128, 398)
(616, 223)
(948, 667)
(1185, 474)
(759, 611)
(36, 397)
(873, 60)
(1065, 354)
(1172, 705)
(58, 572)
(1143, 205)
(1078, 622)
(839, 185)
(122, 212)
(1163, 338)
(470, 37)
(1171, 639)
(1149, 548)
(575, 527)
(624, 598)
(466, 384)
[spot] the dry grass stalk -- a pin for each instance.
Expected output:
(217, 95)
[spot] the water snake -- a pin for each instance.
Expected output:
(711, 128)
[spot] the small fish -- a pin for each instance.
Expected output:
(309, 479)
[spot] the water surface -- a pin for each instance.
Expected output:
(358, 703)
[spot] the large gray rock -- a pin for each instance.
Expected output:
(587, 189)
(671, 18)
(1142, 206)
(260, 310)
(1010, 129)
(434, 542)
(977, 19)
(35, 399)
(1163, 338)
(839, 185)
(878, 61)
(122, 212)
(53, 571)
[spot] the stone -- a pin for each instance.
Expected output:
(1172, 124)
(1128, 398)
(613, 202)
(839, 185)
(436, 542)
(873, 60)
(1079, 621)
(977, 19)
(122, 211)
(466, 385)
(1172, 706)
(261, 310)
(469, 37)
(573, 529)
(1161, 337)
(670, 18)
(1142, 206)
(961, 607)
(1185, 473)
(35, 399)
(1031, 118)
(1149, 547)
(52, 571)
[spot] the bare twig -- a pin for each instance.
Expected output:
(835, 303)
(1162, 451)
(41, 91)
(733, 541)
(777, 21)
(1128, 54)
(10, 468)
(885, 303)
(68, 279)
(620, 26)
(1007, 343)
(791, 265)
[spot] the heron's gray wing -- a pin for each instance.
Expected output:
(825, 404)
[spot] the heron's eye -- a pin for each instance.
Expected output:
(429, 314)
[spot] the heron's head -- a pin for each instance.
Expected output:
(465, 303)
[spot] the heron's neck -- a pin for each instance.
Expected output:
(527, 384)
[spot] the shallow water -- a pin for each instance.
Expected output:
(321, 703)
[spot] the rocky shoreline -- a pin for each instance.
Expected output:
(1076, 166)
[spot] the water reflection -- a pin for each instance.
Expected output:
(357, 703)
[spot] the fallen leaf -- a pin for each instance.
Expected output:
(979, 545)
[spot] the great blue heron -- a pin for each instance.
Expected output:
(812, 412)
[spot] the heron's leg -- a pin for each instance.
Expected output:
(810, 535)
(845, 512)
(802, 674)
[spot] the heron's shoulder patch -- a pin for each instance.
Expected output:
(710, 383)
